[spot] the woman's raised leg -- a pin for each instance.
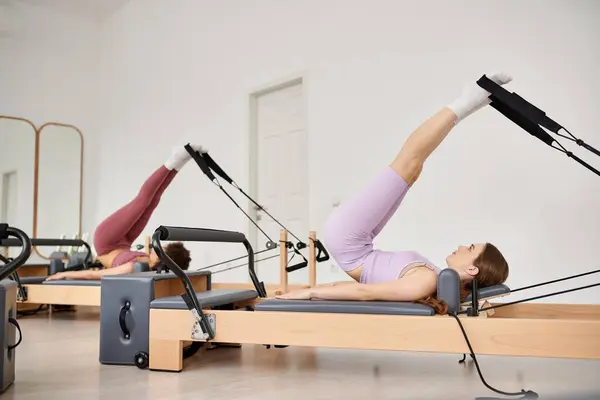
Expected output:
(114, 231)
(350, 230)
(122, 227)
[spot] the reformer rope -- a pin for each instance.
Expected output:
(536, 297)
(245, 264)
(206, 163)
(543, 295)
(555, 281)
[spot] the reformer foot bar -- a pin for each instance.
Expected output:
(8, 304)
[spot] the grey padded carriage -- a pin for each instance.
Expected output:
(211, 298)
(125, 314)
(8, 336)
(448, 290)
(72, 282)
(345, 307)
(32, 280)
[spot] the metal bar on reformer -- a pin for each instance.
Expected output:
(201, 235)
(22, 240)
(51, 242)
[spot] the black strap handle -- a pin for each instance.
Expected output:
(322, 254)
(518, 104)
(215, 167)
(200, 161)
(300, 265)
(16, 324)
(122, 322)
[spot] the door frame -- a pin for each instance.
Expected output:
(269, 87)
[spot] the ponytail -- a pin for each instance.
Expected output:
(439, 306)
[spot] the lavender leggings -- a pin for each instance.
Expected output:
(351, 228)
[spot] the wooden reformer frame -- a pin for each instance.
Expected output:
(526, 329)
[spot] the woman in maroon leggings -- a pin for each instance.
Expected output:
(114, 236)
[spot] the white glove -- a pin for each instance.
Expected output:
(474, 97)
(180, 156)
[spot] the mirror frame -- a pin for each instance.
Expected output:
(35, 167)
(37, 145)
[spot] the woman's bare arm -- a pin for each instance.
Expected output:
(93, 274)
(412, 287)
(336, 283)
(409, 288)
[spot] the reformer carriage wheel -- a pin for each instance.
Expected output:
(142, 360)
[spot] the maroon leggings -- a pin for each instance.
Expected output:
(119, 230)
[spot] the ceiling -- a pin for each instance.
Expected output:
(88, 9)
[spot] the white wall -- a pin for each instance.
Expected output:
(48, 72)
(375, 70)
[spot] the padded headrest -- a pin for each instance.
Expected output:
(490, 291)
(141, 267)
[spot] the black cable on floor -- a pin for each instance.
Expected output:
(521, 393)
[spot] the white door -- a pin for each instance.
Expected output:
(279, 174)
(8, 205)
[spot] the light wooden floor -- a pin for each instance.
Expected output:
(58, 359)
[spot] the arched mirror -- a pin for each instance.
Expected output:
(59, 188)
(17, 174)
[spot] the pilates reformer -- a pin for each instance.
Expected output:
(35, 290)
(516, 328)
(125, 305)
(552, 330)
(8, 306)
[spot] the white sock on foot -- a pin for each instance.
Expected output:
(474, 97)
(180, 156)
